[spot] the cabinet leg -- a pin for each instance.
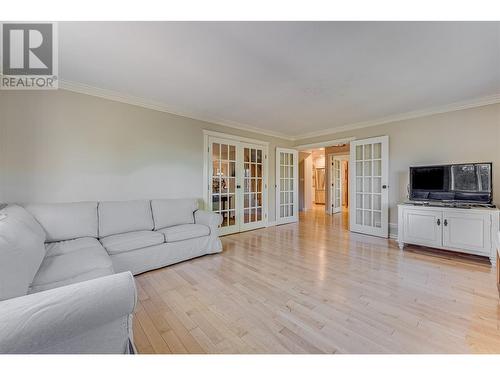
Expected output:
(401, 245)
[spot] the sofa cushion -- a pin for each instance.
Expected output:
(21, 252)
(185, 232)
(119, 243)
(66, 221)
(123, 217)
(70, 262)
(170, 212)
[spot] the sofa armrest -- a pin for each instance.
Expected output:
(35, 322)
(208, 218)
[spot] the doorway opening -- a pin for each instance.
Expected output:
(324, 180)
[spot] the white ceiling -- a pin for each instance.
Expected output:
(293, 79)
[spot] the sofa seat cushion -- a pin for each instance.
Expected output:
(120, 243)
(72, 261)
(65, 247)
(185, 232)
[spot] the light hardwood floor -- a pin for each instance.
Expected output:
(313, 287)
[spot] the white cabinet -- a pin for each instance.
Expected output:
(423, 227)
(472, 231)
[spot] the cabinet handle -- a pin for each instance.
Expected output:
(445, 222)
(439, 222)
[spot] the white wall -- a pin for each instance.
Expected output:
(471, 135)
(60, 146)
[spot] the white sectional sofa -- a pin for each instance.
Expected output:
(66, 282)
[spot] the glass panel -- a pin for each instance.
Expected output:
(282, 211)
(232, 201)
(282, 198)
(259, 156)
(259, 214)
(224, 154)
(291, 172)
(246, 200)
(359, 152)
(368, 168)
(359, 216)
(246, 155)
(377, 184)
(215, 185)
(367, 188)
(359, 168)
(232, 152)
(224, 168)
(215, 168)
(368, 152)
(377, 168)
(232, 169)
(259, 185)
(286, 175)
(291, 210)
(287, 211)
(253, 155)
(231, 185)
(282, 158)
(367, 220)
(246, 186)
(377, 202)
(359, 184)
(377, 219)
(246, 215)
(259, 170)
(283, 184)
(259, 199)
(254, 214)
(290, 184)
(232, 217)
(246, 170)
(215, 151)
(225, 221)
(377, 150)
(367, 201)
(291, 159)
(282, 171)
(290, 197)
(254, 184)
(215, 203)
(253, 168)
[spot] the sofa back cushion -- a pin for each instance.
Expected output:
(66, 221)
(22, 250)
(170, 212)
(122, 217)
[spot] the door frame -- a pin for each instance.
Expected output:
(331, 157)
(295, 217)
(207, 134)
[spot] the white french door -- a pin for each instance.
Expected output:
(369, 173)
(287, 193)
(237, 184)
(335, 184)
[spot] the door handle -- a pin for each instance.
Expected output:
(238, 186)
(445, 222)
(438, 222)
(384, 186)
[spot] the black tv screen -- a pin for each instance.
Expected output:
(470, 183)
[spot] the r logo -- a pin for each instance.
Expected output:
(27, 49)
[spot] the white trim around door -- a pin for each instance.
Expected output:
(287, 185)
(335, 182)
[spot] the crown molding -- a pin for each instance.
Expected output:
(149, 104)
(473, 103)
(82, 88)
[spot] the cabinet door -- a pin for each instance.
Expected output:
(423, 227)
(468, 232)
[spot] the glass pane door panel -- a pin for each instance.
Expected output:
(286, 163)
(253, 177)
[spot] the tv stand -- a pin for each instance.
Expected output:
(471, 231)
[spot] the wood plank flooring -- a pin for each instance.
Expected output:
(314, 287)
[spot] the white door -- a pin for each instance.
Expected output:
(423, 227)
(369, 203)
(335, 184)
(467, 231)
(237, 184)
(224, 196)
(254, 187)
(287, 194)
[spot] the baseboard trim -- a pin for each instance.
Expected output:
(271, 224)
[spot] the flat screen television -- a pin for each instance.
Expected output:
(468, 183)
